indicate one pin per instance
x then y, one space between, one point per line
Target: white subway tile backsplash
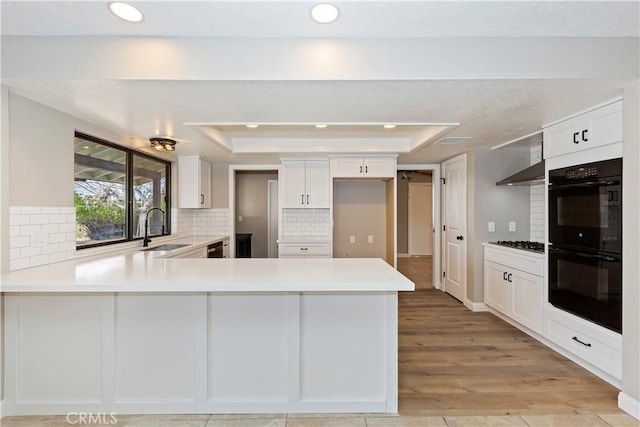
307 222
41 235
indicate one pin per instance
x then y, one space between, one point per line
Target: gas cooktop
521 244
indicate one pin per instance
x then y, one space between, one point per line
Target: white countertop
152 271
518 251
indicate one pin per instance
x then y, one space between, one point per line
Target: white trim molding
476 307
629 405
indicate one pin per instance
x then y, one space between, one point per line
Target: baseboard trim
476 306
629 405
403 256
1 408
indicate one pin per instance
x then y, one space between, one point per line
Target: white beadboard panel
156 346
65 333
43 234
248 347
337 366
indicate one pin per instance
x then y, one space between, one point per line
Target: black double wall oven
585 241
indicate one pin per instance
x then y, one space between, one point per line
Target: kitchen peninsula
142 333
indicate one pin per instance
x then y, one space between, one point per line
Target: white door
455 223
272 219
420 219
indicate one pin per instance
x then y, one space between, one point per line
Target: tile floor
338 420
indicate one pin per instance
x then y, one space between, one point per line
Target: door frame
270 237
420 184
435 169
232 198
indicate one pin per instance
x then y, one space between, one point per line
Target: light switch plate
352 239
512 226
492 227
370 239
240 218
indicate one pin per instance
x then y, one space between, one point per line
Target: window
114 188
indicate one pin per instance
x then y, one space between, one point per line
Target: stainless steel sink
167 247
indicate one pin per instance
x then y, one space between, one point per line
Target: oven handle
607 258
585 184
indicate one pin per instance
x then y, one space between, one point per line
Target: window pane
100 192
149 191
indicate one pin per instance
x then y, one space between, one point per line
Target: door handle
586 344
584 135
459 238
366 169
575 137
509 278
302 199
202 199
504 276
360 169
307 199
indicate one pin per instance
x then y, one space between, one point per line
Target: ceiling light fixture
163 144
321 126
251 126
389 126
324 13
126 12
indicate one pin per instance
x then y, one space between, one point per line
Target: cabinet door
497 292
190 177
347 167
379 167
527 299
317 184
205 184
293 184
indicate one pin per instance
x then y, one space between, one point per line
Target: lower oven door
588 285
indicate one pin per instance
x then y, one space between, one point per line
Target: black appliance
215 250
521 244
585 241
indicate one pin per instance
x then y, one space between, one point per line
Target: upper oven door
587 214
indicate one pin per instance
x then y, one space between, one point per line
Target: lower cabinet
304 250
515 293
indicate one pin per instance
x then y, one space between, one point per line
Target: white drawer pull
586 344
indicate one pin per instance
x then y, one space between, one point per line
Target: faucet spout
147 239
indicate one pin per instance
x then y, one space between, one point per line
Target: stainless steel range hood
532 175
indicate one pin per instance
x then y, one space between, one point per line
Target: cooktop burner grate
521 244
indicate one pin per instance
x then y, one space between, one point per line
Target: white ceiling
499 69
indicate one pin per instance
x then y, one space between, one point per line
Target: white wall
631 252
488 202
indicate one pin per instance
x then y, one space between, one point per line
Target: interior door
420 219
455 224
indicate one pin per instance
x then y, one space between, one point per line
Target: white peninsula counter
140 333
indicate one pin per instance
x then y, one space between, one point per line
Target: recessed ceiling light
321 126
126 12
324 13
251 126
389 126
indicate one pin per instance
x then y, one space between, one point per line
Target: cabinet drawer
309 249
520 261
601 348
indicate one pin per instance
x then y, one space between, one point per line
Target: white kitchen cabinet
200 252
596 128
514 292
304 250
305 184
194 182
363 167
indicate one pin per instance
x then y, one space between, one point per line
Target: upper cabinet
363 167
595 128
194 182
305 183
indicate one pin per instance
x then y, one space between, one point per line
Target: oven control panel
581 173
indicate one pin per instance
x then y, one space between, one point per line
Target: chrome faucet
147 240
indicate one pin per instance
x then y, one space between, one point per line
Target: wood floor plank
456 362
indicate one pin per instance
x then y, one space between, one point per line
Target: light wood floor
454 362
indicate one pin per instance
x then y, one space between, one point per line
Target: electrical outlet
492 227
352 239
240 218
512 226
370 239
39 238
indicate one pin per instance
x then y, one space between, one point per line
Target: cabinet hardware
360 169
504 276
307 199
302 199
202 199
575 137
304 249
586 344
509 276
584 135
366 169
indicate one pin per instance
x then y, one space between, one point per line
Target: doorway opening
418 224
254 211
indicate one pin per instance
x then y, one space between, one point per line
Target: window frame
129 175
